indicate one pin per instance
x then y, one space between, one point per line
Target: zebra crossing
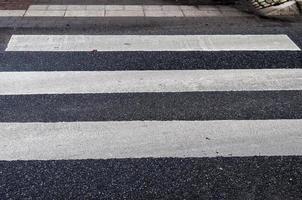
154 111
55 115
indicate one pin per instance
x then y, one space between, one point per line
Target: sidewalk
58 13
53 10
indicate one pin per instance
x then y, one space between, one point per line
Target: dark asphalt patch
239 105
150 178
111 61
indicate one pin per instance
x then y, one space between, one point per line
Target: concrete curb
51 22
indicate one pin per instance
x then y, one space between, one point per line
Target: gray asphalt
243 105
165 178
257 177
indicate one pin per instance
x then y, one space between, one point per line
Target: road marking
137 139
151 43
71 82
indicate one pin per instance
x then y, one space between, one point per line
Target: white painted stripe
14 83
151 43
136 139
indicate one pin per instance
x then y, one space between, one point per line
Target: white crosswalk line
174 116
137 139
16 83
151 43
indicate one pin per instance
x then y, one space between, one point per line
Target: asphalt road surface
203 108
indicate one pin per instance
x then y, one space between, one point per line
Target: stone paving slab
84 13
134 2
124 10
41 13
12 13
60 13
122 13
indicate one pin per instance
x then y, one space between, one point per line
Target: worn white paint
151 43
16 83
137 139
